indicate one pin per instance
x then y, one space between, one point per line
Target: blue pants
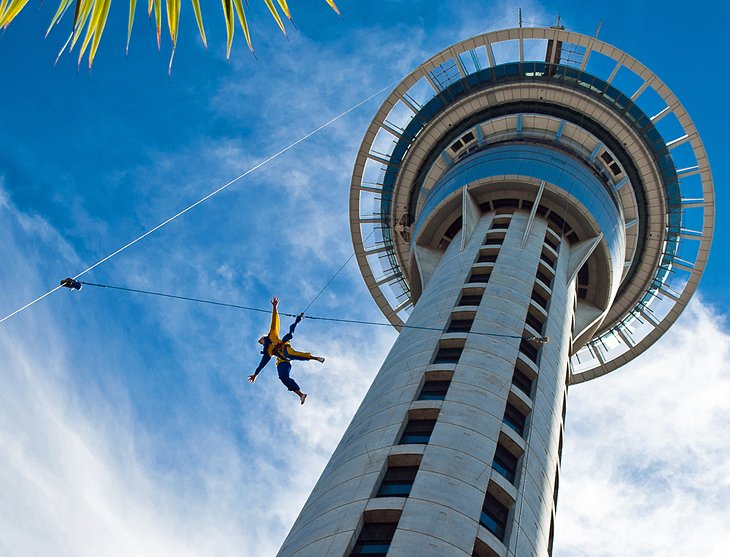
284 368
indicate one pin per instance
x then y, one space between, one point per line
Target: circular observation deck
551 90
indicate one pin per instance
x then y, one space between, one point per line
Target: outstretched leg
283 369
303 356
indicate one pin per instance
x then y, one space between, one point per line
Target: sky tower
531 208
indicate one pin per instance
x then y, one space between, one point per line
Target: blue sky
126 424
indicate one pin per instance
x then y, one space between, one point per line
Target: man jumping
285 354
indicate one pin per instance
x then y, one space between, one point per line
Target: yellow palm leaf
95 14
12 10
173 23
244 22
158 20
199 19
332 4
285 9
62 7
83 9
230 28
150 4
272 9
99 30
3 5
132 9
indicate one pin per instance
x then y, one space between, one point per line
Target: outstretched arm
264 360
274 330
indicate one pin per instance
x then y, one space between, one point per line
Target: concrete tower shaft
512 189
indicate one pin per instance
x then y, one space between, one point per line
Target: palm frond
90 17
199 19
132 9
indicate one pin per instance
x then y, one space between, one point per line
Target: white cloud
645 470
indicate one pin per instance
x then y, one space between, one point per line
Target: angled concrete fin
587 318
470 214
579 254
427 259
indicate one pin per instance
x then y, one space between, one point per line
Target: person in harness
284 353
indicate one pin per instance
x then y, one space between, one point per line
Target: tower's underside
497 204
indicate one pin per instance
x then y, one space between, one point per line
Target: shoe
302 398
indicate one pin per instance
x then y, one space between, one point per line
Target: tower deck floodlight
523 185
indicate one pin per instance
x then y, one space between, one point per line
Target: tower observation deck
523 185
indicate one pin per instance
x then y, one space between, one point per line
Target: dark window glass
456 146
470 300
448 355
548 259
552 242
494 239
616 169
494 516
374 539
505 463
487 258
460 326
514 418
550 538
534 322
397 481
417 432
560 446
555 487
541 301
434 390
544 278
522 382
606 157
467 137
529 349
480 276
500 225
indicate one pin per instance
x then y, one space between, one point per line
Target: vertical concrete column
441 515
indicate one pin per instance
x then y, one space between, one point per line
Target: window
470 299
548 259
480 275
434 390
551 536
514 418
544 278
481 549
529 350
555 487
374 539
522 381
494 516
460 325
534 322
502 224
417 432
505 463
539 300
552 241
397 481
446 355
494 238
487 258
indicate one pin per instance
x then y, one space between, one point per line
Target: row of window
398 479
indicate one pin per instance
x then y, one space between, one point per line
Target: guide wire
211 194
261 310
